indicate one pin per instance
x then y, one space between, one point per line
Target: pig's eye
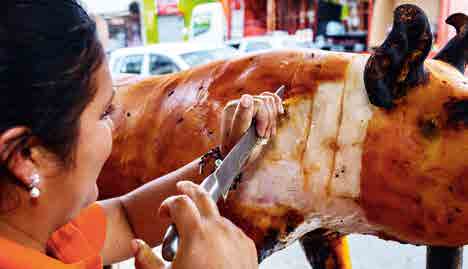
429 127
457 112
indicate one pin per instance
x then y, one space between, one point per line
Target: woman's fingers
270 120
271 103
277 105
278 102
262 117
238 116
242 119
265 110
184 214
206 206
226 123
144 256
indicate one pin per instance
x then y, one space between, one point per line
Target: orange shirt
76 245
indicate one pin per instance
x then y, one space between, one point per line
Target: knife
218 183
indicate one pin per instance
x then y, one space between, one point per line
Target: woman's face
94 143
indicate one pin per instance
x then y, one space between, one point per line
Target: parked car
166 58
261 43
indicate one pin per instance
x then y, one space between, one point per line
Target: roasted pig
371 144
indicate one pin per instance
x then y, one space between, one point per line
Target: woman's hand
207 240
238 115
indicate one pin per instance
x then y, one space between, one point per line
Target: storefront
118 24
351 25
343 23
170 21
123 24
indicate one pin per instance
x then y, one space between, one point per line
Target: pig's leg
444 257
329 252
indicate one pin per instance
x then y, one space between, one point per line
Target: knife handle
170 243
171 237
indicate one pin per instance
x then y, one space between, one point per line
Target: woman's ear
14 156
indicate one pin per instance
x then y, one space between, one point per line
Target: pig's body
338 163
309 175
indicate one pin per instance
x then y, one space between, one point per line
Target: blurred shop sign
168 7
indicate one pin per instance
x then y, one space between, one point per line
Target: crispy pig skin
414 178
338 163
171 120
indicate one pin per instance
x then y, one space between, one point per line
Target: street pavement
366 253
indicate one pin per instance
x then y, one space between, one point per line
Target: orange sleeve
82 238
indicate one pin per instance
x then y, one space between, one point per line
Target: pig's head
414 180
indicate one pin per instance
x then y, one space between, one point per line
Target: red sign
167 7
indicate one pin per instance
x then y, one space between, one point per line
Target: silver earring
34 191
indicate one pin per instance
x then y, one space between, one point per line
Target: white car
165 58
262 43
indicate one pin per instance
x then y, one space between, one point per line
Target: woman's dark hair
49 51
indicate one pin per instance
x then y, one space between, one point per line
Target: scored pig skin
293 188
338 163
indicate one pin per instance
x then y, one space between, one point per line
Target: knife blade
219 182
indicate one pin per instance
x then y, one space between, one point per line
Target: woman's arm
135 215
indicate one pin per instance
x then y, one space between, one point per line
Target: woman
56 124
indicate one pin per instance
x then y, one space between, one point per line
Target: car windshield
205 56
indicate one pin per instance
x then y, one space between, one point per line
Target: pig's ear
456 50
398 64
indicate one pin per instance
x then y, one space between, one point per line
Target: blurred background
155 37
151 37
